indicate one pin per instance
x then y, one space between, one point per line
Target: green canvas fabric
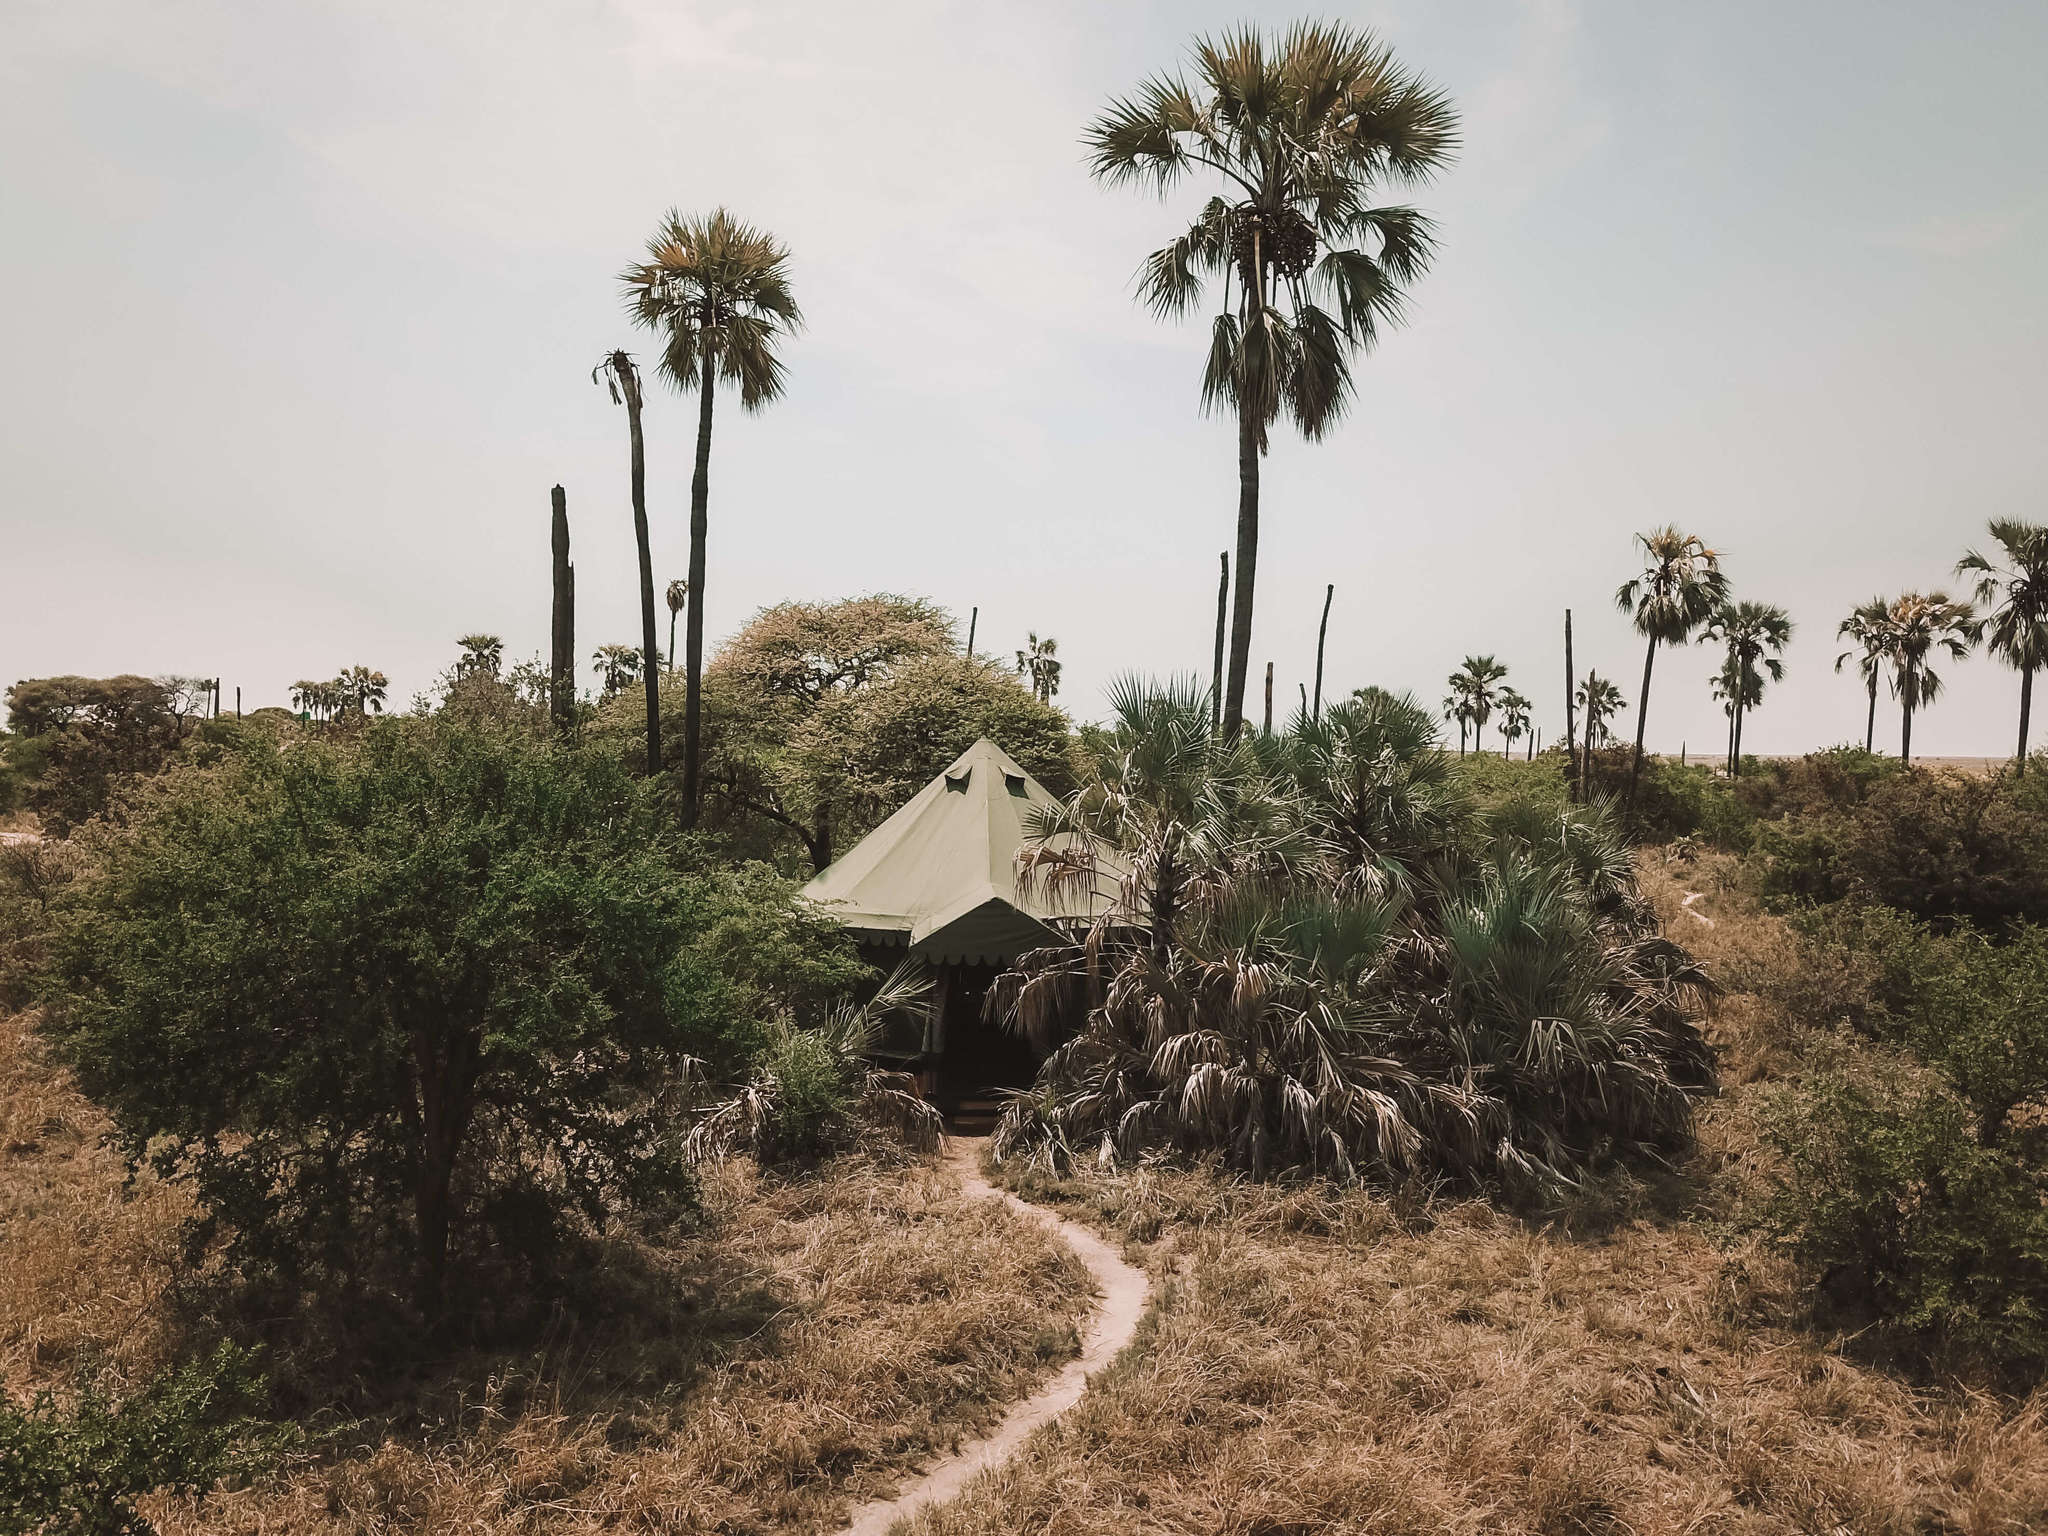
940 876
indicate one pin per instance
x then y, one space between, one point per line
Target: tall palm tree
678 598
1756 635
618 667
622 378
359 692
1514 720
1039 661
1475 682
1600 701
1300 131
482 655
1457 707
2016 602
1679 589
1868 630
718 291
1919 624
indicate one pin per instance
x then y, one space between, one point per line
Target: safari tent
938 882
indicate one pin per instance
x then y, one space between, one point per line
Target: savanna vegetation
450 1115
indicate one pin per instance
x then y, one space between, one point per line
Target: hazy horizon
307 300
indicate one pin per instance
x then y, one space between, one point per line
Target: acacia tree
1917 625
357 1030
1756 635
1867 630
1680 588
622 379
2016 601
718 291
1301 131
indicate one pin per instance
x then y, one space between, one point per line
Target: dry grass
821 1339
1327 1363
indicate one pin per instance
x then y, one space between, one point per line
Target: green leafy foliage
429 988
76 1470
1918 1186
77 738
1937 845
1323 957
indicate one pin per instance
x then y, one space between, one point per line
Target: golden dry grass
1324 1363
821 1339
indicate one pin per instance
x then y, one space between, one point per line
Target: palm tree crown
718 290
1917 625
1756 635
482 655
1680 587
1601 701
1039 661
1300 131
2015 599
1869 636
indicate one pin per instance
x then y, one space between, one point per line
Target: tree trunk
1269 698
562 650
1635 767
693 627
1247 569
1870 728
1216 674
973 622
672 639
1574 782
1906 729
1322 635
1735 759
650 651
2026 709
447 1099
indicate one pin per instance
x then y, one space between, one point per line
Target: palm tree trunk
650 654
1735 757
1870 727
1216 675
693 628
1322 635
1906 719
1635 766
1574 783
1247 568
1269 698
562 647
2026 709
671 639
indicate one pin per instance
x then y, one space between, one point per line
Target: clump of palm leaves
817 1087
1322 957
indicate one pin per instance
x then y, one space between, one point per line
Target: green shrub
367 993
1937 845
79 1471
1887 1193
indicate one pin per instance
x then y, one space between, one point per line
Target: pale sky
304 299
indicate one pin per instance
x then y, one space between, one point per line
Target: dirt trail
1125 1293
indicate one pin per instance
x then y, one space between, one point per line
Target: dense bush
426 989
1920 1190
79 1469
1323 957
1938 845
76 738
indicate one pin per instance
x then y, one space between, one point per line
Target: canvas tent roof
940 876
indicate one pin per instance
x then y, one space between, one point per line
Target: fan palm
1919 624
2016 600
1756 635
1600 701
678 597
1680 587
359 692
1868 630
718 292
619 375
1476 684
482 655
1300 131
618 667
1039 661
1514 719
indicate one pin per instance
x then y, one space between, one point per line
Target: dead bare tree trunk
1322 635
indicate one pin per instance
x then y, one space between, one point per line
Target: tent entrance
972 1061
